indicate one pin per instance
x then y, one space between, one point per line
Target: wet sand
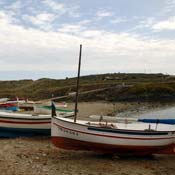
37 156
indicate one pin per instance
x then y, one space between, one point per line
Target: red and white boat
118 138
19 124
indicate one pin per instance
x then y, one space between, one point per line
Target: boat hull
20 125
73 136
71 144
6 132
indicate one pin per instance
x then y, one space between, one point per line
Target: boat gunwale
113 136
128 130
124 131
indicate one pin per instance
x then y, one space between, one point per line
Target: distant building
112 78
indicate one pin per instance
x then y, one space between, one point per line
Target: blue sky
41 38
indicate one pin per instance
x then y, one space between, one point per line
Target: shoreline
121 109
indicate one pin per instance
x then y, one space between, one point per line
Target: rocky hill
113 87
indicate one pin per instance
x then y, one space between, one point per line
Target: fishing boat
46 109
22 124
18 124
116 138
11 104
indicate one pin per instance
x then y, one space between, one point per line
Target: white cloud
40 19
55 5
75 28
4 18
147 22
117 20
103 13
70 28
13 9
15 6
143 23
169 6
165 25
61 8
32 49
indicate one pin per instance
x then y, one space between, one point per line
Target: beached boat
10 104
46 109
18 124
118 138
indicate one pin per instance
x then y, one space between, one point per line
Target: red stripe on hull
7 105
20 122
71 144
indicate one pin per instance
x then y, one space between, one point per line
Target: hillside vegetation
114 87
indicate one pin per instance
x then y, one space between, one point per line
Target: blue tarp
12 108
163 121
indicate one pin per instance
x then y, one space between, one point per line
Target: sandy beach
37 156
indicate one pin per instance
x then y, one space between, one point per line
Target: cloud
147 22
15 6
61 8
13 9
142 23
117 20
70 28
74 28
4 18
34 49
165 25
103 14
55 5
169 6
41 20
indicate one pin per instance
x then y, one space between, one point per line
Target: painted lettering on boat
67 131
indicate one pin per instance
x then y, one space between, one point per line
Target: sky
41 38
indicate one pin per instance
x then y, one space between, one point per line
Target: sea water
164 113
167 113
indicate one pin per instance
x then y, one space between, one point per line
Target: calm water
168 112
161 113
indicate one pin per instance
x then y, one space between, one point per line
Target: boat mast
77 88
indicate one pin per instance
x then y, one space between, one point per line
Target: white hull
131 137
21 124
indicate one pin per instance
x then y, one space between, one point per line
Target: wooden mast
77 88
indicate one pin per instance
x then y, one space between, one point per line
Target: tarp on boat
163 121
